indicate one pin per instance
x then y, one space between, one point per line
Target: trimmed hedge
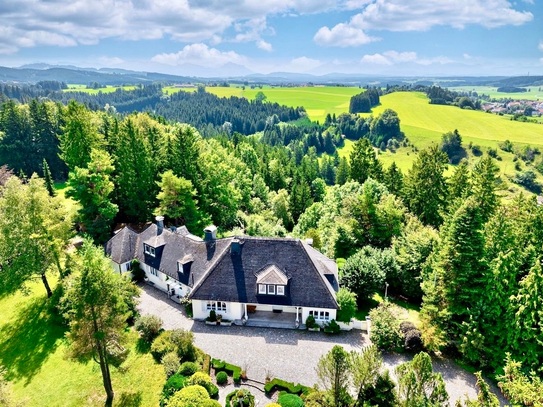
172 386
282 385
188 368
222 366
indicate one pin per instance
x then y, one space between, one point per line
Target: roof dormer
271 280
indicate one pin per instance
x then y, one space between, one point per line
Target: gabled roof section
271 274
122 247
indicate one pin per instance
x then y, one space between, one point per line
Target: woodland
443 240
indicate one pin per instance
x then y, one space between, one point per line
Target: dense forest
471 261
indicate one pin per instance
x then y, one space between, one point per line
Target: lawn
33 350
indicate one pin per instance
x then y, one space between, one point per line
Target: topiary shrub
212 316
172 386
203 379
234 370
221 378
171 364
149 327
273 405
189 396
282 385
290 400
188 368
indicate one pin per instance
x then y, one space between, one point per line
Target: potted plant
212 318
311 324
219 319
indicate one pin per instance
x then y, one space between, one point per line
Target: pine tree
343 171
393 179
485 177
48 181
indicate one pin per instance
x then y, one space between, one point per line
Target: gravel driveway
287 354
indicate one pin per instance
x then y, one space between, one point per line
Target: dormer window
150 250
271 281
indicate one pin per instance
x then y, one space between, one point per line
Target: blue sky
374 37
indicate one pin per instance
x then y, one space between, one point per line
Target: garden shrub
204 380
273 405
177 340
385 328
221 378
149 327
290 400
234 370
188 368
310 322
332 327
282 385
240 398
171 364
347 305
189 396
206 364
138 274
413 341
212 316
172 385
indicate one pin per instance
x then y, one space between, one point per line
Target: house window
216 306
320 315
153 271
149 250
179 267
271 289
280 290
128 266
262 288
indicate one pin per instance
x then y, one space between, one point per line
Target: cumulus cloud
378 59
389 58
418 15
31 23
342 35
263 45
199 54
540 45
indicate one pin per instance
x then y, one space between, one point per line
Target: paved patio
285 353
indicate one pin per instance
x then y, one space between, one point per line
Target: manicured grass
534 92
33 349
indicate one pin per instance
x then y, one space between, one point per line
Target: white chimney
159 224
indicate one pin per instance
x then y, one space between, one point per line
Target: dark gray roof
233 276
217 274
122 246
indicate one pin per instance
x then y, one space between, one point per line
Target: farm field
534 92
318 100
33 349
107 89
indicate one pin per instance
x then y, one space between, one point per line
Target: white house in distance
238 277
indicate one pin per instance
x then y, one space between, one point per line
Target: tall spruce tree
425 188
364 163
47 178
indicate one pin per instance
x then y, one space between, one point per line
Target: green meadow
533 92
317 100
107 89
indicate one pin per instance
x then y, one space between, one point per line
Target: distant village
528 108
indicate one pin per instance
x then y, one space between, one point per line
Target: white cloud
342 35
540 45
467 56
109 61
377 59
302 64
389 58
440 60
418 15
263 45
199 54
421 15
31 23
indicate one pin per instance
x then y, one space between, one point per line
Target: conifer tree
48 181
364 163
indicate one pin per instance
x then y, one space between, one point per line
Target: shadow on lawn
28 340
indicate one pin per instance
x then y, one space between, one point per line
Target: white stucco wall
331 313
163 282
234 310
